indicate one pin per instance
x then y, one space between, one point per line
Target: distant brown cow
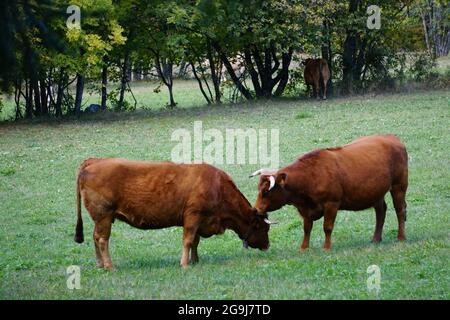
352 177
317 73
149 195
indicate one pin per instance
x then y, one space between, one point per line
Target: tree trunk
17 93
165 72
172 101
425 32
37 96
284 73
79 94
104 84
349 55
328 55
253 73
59 95
124 79
28 100
44 97
200 83
168 75
232 74
182 69
214 76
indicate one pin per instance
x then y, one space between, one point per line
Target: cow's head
272 194
257 235
306 61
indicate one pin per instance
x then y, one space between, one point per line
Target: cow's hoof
111 269
194 261
401 238
376 240
303 249
99 265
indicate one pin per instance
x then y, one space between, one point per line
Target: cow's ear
281 179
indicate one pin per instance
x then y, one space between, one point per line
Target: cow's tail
79 237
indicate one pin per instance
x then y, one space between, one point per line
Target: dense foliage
252 46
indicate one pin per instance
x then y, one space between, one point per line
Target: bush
423 67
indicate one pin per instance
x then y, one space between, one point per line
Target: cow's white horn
262 171
272 182
269 222
256 173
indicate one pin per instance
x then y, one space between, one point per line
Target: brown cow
353 177
149 195
317 73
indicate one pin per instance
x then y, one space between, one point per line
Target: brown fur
149 195
317 73
352 177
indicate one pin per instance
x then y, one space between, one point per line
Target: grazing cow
353 177
150 195
317 73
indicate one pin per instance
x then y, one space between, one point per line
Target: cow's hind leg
102 232
325 90
380 211
194 253
190 227
316 89
307 227
398 193
98 254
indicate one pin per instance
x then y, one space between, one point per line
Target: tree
160 44
258 36
90 45
366 52
435 17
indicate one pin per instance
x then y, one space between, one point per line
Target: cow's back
368 167
148 194
311 72
315 69
356 175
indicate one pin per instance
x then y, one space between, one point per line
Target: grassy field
186 94
38 162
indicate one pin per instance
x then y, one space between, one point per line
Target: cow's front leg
189 233
194 253
330 211
380 211
307 226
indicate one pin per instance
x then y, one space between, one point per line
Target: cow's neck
239 215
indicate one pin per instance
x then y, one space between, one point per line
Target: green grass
186 95
38 162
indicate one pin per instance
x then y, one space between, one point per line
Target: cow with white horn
353 177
